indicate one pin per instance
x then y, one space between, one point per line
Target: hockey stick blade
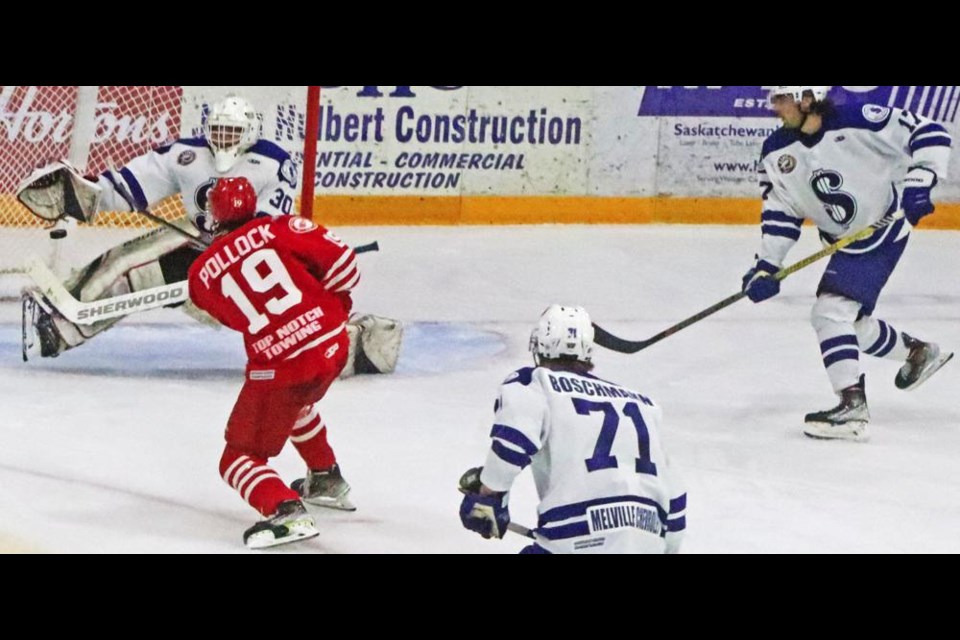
609 341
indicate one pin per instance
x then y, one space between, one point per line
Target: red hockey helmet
232 202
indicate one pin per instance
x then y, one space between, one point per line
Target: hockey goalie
229 147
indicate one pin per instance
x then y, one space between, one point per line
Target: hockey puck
58 234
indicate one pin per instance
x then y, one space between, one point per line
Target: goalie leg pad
107 274
380 340
374 345
132 266
45 330
353 337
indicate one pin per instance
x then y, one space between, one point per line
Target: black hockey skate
846 421
924 360
291 523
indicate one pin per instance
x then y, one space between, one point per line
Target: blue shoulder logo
786 163
874 113
288 173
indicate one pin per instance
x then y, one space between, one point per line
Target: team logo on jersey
839 205
200 195
186 157
875 113
301 225
786 163
288 172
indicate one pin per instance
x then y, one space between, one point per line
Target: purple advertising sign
936 102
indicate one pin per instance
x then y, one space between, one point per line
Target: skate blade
341 504
855 431
941 360
296 533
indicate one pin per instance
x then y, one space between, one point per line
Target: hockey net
96 128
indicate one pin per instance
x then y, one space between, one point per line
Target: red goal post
96 127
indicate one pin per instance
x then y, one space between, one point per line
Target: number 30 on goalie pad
58 190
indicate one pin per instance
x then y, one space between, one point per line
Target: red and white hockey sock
310 438
255 481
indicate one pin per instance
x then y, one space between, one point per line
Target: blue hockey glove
916 194
757 283
487 515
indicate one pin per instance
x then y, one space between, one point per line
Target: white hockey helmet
563 331
797 91
232 127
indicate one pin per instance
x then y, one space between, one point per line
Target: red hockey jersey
283 282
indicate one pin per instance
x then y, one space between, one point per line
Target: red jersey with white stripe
284 283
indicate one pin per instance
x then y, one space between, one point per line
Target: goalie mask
797 91
232 202
232 127
563 333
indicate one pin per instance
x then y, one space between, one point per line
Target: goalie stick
607 340
121 188
78 312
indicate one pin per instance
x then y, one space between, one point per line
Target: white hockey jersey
600 471
186 167
846 176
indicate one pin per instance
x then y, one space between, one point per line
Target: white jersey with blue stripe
595 451
846 176
187 167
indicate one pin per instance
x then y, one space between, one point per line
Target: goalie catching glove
58 190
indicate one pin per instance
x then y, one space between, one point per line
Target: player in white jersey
844 168
598 463
230 147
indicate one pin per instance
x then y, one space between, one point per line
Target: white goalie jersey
187 167
845 177
604 482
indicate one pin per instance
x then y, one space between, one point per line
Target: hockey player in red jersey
285 284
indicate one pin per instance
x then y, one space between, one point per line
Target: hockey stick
125 194
609 341
120 186
519 529
367 248
79 312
